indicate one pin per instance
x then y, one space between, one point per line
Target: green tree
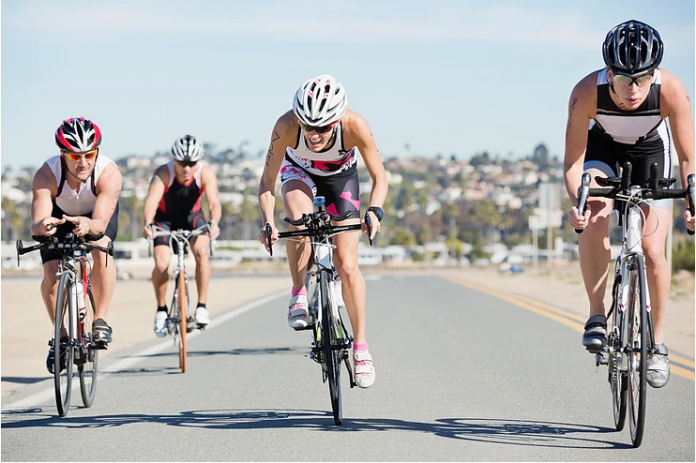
423 236
16 221
403 237
249 216
683 255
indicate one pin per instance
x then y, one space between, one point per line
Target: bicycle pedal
100 346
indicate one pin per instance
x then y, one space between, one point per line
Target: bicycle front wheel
63 348
88 370
617 378
637 352
329 344
183 315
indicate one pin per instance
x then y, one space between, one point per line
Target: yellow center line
561 316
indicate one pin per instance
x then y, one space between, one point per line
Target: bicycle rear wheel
63 348
88 370
183 315
617 378
331 355
638 357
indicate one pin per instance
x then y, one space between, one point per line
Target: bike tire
88 371
331 355
618 380
638 357
62 379
183 315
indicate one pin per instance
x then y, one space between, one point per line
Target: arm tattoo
571 108
275 138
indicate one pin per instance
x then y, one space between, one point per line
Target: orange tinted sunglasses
77 156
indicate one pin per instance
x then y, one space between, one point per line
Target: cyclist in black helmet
625 106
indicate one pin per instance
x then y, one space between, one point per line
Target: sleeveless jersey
629 127
330 161
81 202
180 200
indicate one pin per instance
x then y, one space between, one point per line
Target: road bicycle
630 338
331 340
74 316
176 324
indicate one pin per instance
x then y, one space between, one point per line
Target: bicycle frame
323 267
626 265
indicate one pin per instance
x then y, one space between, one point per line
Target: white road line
128 362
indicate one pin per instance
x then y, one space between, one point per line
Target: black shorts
608 156
194 220
64 229
341 190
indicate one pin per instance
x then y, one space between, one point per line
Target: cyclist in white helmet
174 203
625 105
314 148
77 192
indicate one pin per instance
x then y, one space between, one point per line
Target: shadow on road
203 353
24 379
499 431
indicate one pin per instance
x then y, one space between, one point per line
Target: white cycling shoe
363 369
298 315
202 317
160 327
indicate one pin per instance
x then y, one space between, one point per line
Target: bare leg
346 260
297 198
200 247
659 274
49 288
160 274
103 280
595 254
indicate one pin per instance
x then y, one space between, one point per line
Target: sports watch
378 212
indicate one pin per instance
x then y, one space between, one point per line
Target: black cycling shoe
101 332
51 360
595 336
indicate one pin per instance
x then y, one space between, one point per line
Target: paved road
461 375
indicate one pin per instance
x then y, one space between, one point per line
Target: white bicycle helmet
320 101
187 148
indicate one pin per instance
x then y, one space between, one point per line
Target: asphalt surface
461 375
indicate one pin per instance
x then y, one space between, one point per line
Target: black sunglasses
187 163
312 128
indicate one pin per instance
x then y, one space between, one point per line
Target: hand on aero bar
49 225
81 224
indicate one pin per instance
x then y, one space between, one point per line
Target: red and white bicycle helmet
320 101
78 134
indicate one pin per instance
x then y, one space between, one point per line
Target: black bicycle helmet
632 48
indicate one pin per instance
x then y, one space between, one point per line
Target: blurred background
467 102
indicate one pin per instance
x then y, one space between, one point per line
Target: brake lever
368 223
269 232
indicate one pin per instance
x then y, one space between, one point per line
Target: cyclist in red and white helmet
314 147
626 105
77 191
173 202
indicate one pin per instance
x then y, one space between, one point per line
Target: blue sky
443 76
